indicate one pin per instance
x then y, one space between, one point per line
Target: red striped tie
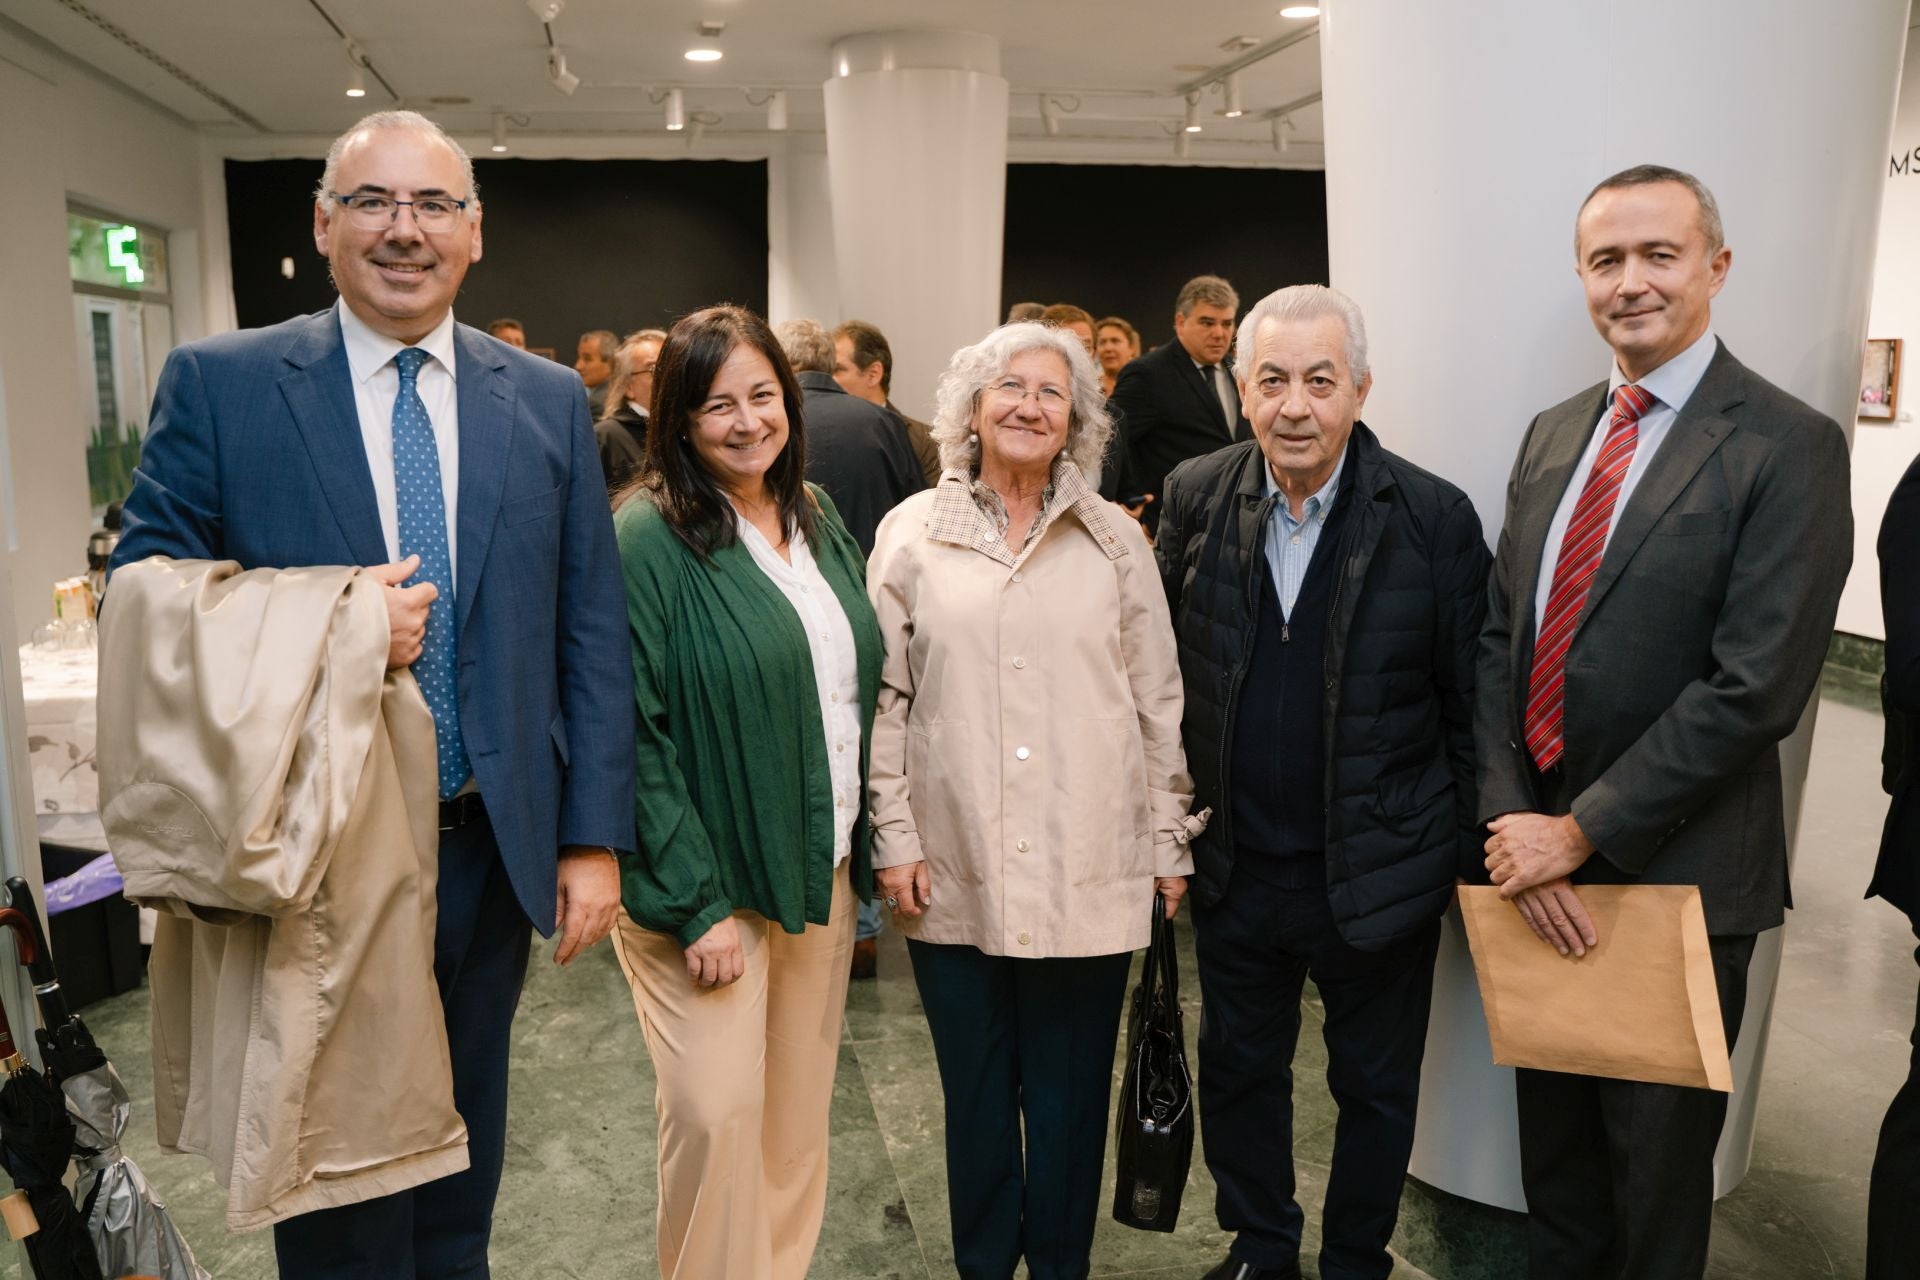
1580 552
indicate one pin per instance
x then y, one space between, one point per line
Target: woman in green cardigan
756 662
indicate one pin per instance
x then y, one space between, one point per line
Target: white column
1460 142
802 279
917 157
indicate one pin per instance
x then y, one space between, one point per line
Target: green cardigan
733 790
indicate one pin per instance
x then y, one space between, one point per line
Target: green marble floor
579 1191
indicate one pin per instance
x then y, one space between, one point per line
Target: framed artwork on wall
1880 380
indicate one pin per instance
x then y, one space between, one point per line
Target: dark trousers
439 1231
1618 1174
1257 947
1893 1248
1023 1041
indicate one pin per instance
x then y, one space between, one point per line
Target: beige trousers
745 1082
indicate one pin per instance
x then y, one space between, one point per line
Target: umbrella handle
46 979
11 918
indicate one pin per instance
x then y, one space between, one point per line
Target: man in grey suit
1675 542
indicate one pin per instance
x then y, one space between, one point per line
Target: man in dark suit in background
863 366
621 433
856 451
279 448
1674 547
593 361
1893 1250
1179 400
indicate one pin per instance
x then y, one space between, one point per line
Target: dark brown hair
869 345
673 478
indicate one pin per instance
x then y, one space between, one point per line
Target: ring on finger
893 904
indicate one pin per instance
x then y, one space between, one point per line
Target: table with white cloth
61 691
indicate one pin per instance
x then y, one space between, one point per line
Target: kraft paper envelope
1640 1006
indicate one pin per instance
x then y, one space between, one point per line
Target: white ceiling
252 71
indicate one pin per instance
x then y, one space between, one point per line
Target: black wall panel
570 245
616 244
1122 239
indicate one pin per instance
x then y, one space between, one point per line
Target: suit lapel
486 400
1694 436
1563 438
1198 384
319 395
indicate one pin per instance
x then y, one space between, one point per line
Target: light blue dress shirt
1671 386
1290 542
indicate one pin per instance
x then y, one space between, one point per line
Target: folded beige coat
270 788
1640 1006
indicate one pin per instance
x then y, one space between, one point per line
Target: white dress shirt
836 668
1671 386
1217 377
376 385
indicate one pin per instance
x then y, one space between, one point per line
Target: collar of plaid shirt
966 518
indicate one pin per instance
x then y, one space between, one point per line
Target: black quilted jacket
1406 608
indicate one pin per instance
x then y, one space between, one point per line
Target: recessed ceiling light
703 55
1301 11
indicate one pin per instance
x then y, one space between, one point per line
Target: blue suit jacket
254 454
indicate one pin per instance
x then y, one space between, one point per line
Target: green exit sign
123 253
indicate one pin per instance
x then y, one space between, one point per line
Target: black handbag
1155 1123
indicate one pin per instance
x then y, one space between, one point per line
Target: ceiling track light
501 119
1283 128
357 77
775 102
1192 123
1183 144
558 75
676 110
1049 115
1231 85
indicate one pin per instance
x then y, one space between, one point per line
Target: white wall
802 281
1882 451
67 133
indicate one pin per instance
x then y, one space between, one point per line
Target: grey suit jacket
1699 644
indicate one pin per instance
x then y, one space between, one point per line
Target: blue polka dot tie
423 532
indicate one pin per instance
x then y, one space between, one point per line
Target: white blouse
836 667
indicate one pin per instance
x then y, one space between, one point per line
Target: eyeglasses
1050 399
375 212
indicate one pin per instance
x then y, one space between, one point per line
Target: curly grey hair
379 120
973 368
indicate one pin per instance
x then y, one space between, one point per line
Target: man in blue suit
464 474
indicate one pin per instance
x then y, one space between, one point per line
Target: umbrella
129 1224
36 1141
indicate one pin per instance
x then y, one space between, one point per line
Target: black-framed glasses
373 212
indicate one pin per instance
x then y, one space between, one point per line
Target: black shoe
1234 1269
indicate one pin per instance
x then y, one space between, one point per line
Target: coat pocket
1109 826
942 791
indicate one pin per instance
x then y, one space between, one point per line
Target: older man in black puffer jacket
1327 596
